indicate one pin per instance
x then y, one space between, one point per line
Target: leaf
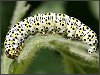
75 57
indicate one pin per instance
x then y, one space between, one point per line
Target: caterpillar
48 23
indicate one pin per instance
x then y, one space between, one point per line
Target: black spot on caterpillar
44 24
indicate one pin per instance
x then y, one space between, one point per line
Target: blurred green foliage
51 54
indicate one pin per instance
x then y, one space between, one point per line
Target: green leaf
76 58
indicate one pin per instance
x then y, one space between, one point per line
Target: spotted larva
44 24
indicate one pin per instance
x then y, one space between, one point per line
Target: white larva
48 23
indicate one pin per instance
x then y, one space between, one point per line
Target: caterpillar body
48 23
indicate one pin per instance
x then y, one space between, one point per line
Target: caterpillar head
13 54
